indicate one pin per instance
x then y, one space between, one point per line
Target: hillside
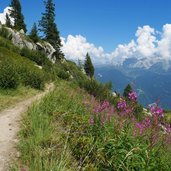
80 125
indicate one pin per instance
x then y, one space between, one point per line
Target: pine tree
88 66
34 33
127 90
8 21
17 15
49 28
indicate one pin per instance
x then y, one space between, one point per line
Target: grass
56 135
10 97
43 139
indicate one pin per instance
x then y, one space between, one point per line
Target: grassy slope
9 98
59 124
44 134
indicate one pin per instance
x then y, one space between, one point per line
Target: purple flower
157 112
146 122
121 104
132 96
140 127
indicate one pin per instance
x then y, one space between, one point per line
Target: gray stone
19 39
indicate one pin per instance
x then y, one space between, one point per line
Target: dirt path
9 126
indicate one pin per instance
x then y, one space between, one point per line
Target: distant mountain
153 84
106 74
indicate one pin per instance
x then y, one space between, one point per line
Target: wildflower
100 108
146 122
157 112
132 96
140 127
121 104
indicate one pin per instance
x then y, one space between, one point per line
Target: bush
98 90
8 75
33 77
36 56
7 44
4 32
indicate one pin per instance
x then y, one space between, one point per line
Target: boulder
19 39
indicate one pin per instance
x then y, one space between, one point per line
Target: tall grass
43 141
68 126
10 97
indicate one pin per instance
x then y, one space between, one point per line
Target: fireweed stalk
150 127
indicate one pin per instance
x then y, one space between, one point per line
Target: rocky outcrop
22 41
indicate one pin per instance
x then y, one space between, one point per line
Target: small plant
8 74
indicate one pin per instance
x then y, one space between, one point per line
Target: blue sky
105 23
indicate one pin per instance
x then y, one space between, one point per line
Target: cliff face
19 39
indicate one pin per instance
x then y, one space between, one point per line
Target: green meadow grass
43 138
10 97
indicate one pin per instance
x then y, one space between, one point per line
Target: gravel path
9 127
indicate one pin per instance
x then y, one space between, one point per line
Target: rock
38 66
22 31
114 94
71 77
30 45
19 39
50 51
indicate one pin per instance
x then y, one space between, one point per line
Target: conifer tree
8 21
48 26
17 15
88 66
127 90
34 33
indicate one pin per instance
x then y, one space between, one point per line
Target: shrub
30 76
36 56
99 90
7 44
8 74
63 74
4 32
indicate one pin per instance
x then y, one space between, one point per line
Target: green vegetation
23 71
34 33
17 15
38 57
49 28
68 129
43 140
80 125
127 90
8 75
10 97
88 66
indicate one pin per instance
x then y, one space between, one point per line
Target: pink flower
132 96
157 112
121 104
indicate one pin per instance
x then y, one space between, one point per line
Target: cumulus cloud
76 47
146 48
3 15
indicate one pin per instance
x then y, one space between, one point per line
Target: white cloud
3 15
146 41
147 48
76 47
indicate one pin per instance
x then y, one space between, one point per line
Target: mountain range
151 84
